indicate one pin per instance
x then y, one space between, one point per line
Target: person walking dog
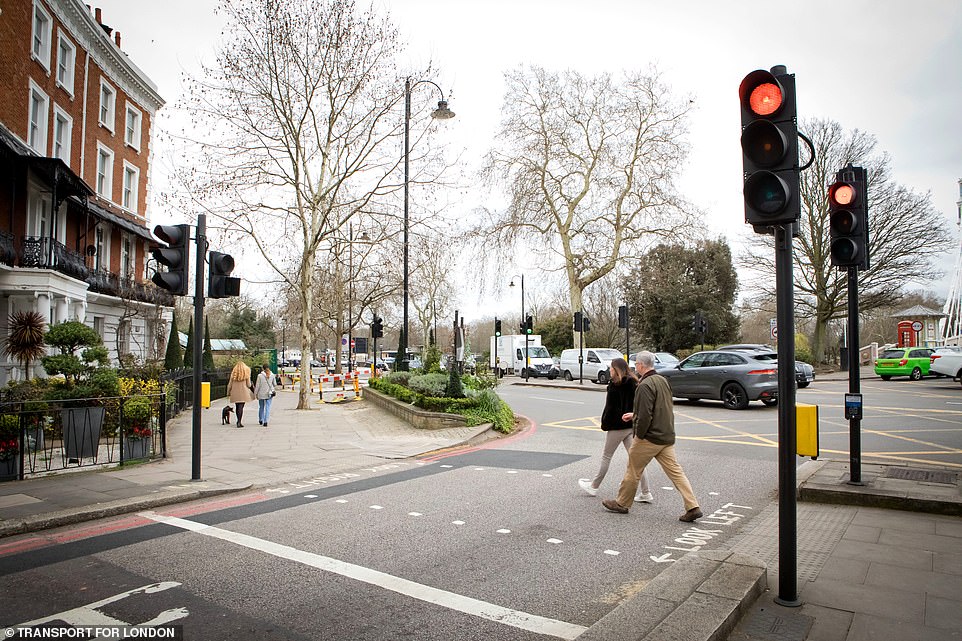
239 389
619 403
653 420
264 391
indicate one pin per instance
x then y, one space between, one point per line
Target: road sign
917 326
774 324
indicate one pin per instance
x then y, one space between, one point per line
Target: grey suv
733 377
804 373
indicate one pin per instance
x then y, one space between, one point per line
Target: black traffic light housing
622 317
528 325
377 327
577 324
848 218
175 256
769 148
497 327
220 284
585 323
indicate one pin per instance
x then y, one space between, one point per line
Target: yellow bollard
806 430
205 394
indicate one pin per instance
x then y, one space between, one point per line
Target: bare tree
589 165
300 127
905 232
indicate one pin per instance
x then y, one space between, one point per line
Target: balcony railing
51 254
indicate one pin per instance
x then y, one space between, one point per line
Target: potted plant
137 415
9 448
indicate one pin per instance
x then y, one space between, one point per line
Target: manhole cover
923 476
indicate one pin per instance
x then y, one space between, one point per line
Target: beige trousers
639 456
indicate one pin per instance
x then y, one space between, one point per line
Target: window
105 171
62 134
126 256
132 127
99 325
42 30
108 100
37 127
100 242
123 337
66 61
131 180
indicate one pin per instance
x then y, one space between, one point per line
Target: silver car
733 377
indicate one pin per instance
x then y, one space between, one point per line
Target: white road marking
447 466
512 471
548 475
341 501
667 488
504 531
414 514
555 541
428 594
713 494
310 496
612 552
90 615
457 522
376 507
556 400
479 469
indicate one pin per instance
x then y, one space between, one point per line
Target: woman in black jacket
620 400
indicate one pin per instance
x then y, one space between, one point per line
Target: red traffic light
762 94
842 195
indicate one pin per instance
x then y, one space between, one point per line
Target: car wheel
916 374
806 384
886 377
603 378
568 376
959 374
524 373
770 402
552 376
734 397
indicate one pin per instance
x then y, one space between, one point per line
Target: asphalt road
496 542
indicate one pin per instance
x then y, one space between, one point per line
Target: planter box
10 469
135 448
414 415
81 431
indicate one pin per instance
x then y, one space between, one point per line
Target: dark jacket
654 414
620 400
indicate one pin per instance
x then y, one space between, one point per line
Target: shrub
429 384
804 354
454 387
483 380
398 378
490 408
432 360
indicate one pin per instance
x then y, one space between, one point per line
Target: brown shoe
614 506
691 515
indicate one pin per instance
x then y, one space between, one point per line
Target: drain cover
923 476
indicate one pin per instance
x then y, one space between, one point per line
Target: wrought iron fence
43 437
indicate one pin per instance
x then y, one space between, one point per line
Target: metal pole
525 326
581 350
627 336
402 356
198 355
787 525
350 295
854 380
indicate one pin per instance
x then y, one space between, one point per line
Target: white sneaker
585 485
644 497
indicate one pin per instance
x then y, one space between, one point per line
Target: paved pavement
878 561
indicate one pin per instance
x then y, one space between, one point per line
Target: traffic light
585 323
220 284
696 322
703 326
528 325
623 317
578 316
848 218
175 257
497 327
769 148
377 327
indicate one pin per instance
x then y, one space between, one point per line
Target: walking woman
620 401
239 389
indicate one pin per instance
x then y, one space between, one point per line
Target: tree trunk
307 298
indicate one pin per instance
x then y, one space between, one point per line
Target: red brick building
75 143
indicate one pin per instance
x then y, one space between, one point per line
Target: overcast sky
889 67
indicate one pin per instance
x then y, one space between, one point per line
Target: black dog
225 415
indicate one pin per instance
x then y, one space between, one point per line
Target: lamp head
442 112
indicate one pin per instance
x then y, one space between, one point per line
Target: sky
887 67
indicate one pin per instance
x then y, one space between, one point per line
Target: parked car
946 362
804 373
731 376
913 362
594 366
662 360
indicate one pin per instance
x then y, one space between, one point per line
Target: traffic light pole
787 518
198 355
854 380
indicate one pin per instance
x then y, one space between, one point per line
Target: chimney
117 38
98 16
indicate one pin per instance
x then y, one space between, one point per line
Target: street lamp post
524 331
350 288
441 113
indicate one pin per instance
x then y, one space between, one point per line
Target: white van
595 365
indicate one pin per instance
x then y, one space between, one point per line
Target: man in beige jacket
654 425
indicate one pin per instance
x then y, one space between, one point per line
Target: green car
904 361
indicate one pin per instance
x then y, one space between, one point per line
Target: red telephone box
906 334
